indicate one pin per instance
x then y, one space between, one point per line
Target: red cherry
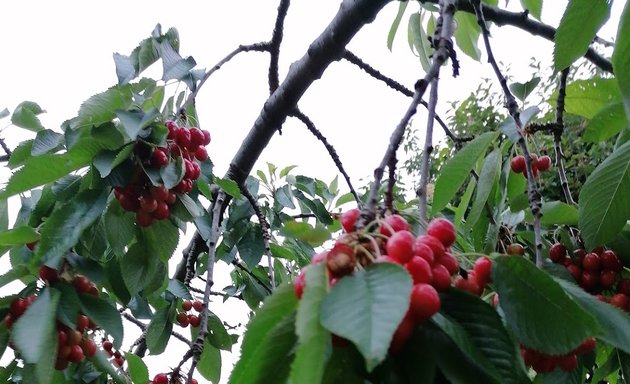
76 354
299 284
432 242
624 287
443 230
194 320
483 270
74 337
557 252
160 378
148 203
420 270
206 137
196 136
107 345
518 164
172 198
441 277
586 346
82 323
450 262
62 337
620 301
119 361
395 222
543 163
128 203
400 246
197 305
194 381
183 137
589 280
159 158
610 261
89 347
144 219
81 284
18 307
48 274
201 153
402 333
575 271
61 364
187 305
425 302
159 193
349 219
608 278
591 262
341 260
182 319
579 255
31 245
162 211
319 257
515 249
424 251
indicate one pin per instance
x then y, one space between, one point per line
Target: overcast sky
58 53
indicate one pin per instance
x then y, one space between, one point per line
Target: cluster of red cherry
597 272
476 278
542 164
427 259
117 357
184 319
543 363
152 202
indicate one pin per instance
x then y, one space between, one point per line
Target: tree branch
426 152
274 45
557 137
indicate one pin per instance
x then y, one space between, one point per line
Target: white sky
58 53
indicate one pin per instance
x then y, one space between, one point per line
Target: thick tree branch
426 152
522 21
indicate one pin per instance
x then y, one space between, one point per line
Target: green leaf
18 236
608 122
456 170
161 239
100 361
178 289
125 70
313 339
4 215
508 127
138 371
229 186
209 365
487 179
588 97
343 199
486 331
367 307
102 107
175 67
13 274
34 334
603 207
269 339
25 116
533 6
579 24
45 141
392 30
119 228
251 246
217 334
525 293
621 57
284 197
467 34
614 323
65 225
558 213
104 315
522 90
135 121
420 41
459 336
159 330
138 266
315 236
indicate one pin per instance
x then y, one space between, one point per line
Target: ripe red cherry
450 262
608 278
62 337
589 280
441 277
197 306
201 153
194 320
162 211
432 242
82 323
183 137
400 246
76 354
196 136
18 307
610 261
586 346
194 381
159 193
61 364
624 287
148 203
557 252
543 163
144 219
620 301
483 270
206 137
443 230
107 345
395 222
348 219
420 270
591 262
515 249
119 361
81 283
48 274
159 158
172 198
575 271
402 333
518 164
424 251
299 284
425 302
89 347
160 378
182 319
31 245
187 305
341 260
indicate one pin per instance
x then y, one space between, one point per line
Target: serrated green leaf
608 122
18 236
135 121
285 171
284 197
229 186
467 34
125 71
343 199
138 371
4 215
522 90
604 207
45 141
15 273
159 330
251 246
174 66
525 293
104 315
161 239
100 360
137 267
270 335
579 24
508 127
25 116
456 170
487 179
179 289
190 205
621 57
419 39
395 24
217 334
533 6
119 227
209 365
66 224
102 107
314 236
367 307
588 97
558 213
313 339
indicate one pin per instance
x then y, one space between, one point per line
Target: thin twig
391 182
274 45
143 327
557 137
512 107
240 266
6 149
264 228
331 150
426 152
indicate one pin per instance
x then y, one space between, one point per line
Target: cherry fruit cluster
427 258
162 378
153 202
117 357
542 164
544 363
597 272
477 278
185 319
